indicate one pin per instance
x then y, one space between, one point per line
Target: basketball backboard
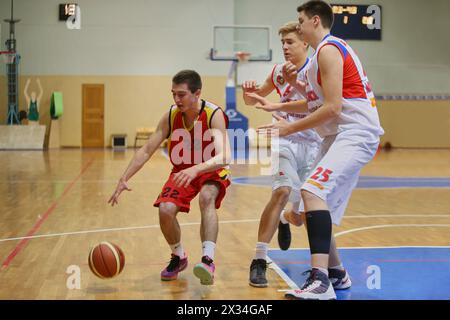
228 40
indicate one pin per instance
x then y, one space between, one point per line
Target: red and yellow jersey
190 146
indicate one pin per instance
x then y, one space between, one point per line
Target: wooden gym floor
54 209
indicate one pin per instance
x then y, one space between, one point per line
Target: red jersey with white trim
358 100
190 146
287 93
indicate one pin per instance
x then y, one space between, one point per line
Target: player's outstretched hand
184 177
264 104
122 185
279 128
249 86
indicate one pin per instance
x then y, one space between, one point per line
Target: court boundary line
21 245
51 235
282 274
151 226
391 226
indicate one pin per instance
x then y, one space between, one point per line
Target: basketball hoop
8 57
242 56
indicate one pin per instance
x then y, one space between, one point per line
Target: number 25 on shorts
321 174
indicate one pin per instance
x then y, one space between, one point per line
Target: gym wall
135 47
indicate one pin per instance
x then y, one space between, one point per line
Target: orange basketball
106 260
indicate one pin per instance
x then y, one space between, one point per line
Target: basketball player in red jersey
200 152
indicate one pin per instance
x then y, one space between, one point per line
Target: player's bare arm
331 71
298 106
222 153
251 87
41 91
141 157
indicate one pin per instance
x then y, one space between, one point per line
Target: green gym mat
56 105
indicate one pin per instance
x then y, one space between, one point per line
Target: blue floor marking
365 182
407 273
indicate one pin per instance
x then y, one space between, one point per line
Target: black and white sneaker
339 279
316 287
258 273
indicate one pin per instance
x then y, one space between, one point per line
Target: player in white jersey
296 154
343 111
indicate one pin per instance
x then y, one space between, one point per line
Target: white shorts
295 162
336 171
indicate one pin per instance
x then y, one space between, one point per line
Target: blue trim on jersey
303 66
321 41
328 35
340 46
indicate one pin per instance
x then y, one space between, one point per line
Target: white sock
282 218
177 249
208 248
261 250
338 267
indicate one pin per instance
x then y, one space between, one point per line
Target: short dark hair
190 77
318 8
